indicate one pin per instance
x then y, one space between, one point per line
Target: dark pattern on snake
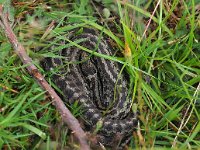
96 83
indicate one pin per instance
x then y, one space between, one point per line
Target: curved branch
66 115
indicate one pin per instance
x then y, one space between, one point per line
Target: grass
163 65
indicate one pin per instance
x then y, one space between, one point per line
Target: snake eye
106 104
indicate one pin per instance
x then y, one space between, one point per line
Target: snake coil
96 83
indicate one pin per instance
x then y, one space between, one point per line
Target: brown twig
66 115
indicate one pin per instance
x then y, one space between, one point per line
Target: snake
99 85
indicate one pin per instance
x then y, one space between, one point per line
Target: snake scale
96 83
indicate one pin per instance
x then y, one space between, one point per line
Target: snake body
96 83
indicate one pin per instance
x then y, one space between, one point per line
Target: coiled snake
96 83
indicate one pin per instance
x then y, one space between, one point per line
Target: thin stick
66 115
